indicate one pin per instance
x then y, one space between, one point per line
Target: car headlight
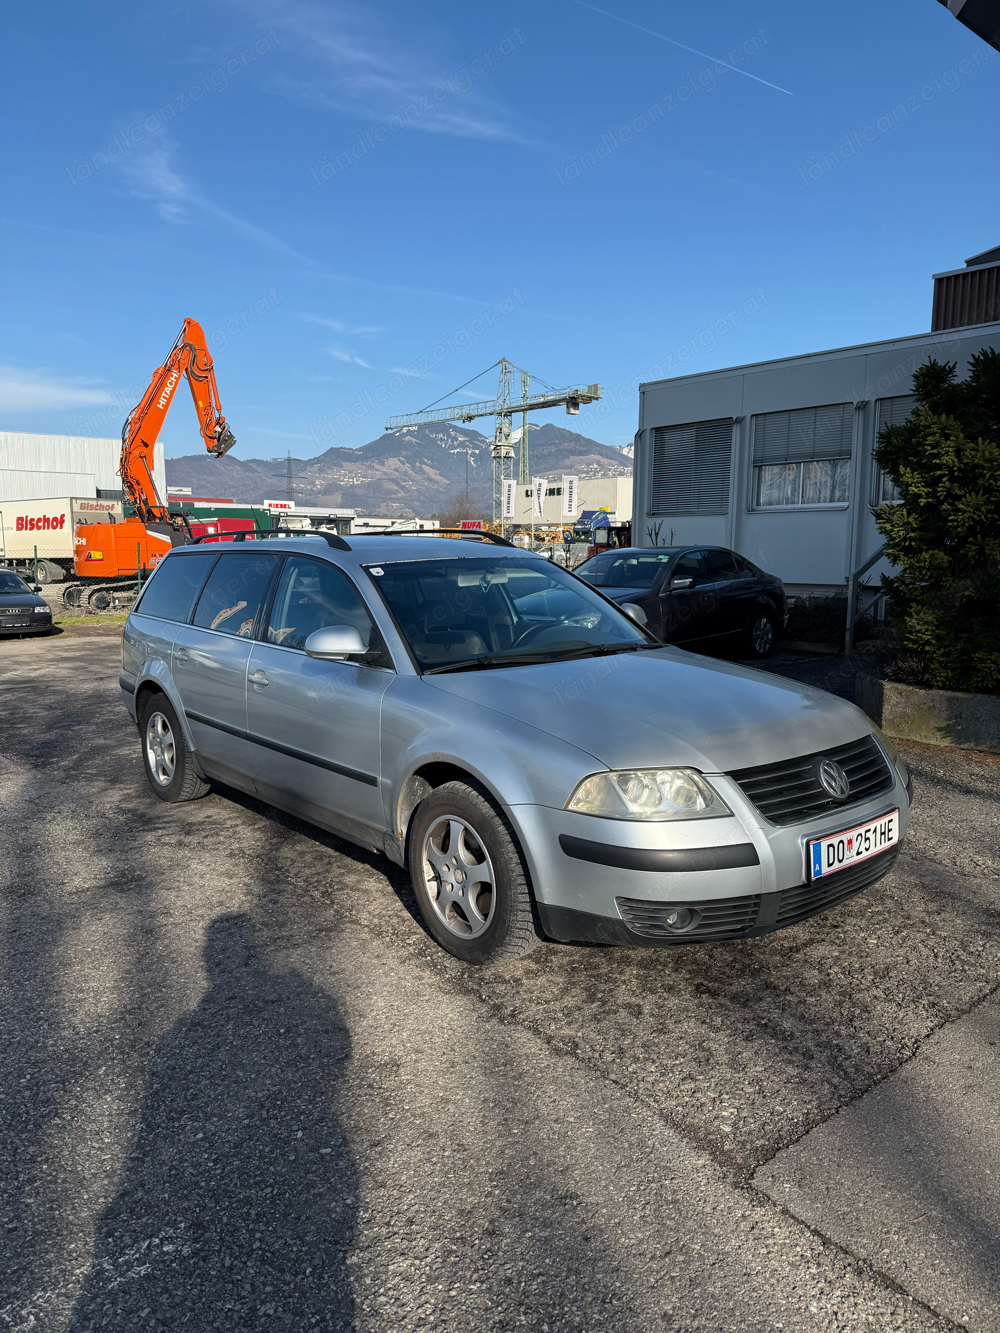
42 610
648 793
891 753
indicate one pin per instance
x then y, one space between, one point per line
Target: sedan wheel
161 749
170 767
459 877
469 876
761 636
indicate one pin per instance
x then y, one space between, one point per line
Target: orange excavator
121 551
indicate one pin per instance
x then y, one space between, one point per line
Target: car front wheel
761 635
469 877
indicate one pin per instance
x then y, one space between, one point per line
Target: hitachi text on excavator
106 555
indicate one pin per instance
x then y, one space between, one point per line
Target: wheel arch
435 773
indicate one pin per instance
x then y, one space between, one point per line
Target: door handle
180 655
258 680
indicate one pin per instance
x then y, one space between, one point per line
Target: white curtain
821 482
825 481
778 484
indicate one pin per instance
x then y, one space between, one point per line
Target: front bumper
26 625
614 882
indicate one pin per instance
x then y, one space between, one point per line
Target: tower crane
503 408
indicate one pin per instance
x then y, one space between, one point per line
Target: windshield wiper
531 659
480 663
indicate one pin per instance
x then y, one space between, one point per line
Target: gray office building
774 460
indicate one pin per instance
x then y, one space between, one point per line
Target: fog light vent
710 919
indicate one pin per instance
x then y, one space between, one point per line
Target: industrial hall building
775 460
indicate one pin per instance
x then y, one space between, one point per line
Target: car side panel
515 762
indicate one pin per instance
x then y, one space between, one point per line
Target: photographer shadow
239 1198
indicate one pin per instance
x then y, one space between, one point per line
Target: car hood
665 707
19 601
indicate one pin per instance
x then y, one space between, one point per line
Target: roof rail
259 534
465 534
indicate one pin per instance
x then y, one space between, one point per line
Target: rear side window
171 590
234 592
720 565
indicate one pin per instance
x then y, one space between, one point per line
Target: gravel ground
243 1090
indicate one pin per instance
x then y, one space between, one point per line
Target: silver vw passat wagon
542 765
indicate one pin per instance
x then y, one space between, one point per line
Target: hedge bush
945 535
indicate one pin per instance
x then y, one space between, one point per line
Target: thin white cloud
35 391
372 74
151 176
350 358
338 326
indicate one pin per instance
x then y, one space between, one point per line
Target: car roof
374 549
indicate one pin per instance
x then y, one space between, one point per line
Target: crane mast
502 408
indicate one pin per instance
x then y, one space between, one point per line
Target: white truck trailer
46 528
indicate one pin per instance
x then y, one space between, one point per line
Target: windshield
11 582
496 611
624 569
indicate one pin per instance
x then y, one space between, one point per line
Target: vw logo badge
833 779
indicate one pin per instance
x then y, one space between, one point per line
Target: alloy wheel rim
161 751
763 635
459 878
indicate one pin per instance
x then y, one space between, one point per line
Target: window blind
894 411
803 434
691 465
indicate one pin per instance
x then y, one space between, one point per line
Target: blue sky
366 204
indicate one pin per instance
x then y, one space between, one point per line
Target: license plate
855 844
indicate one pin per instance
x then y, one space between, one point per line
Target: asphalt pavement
243 1090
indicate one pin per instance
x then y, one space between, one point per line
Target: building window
890 412
802 457
691 465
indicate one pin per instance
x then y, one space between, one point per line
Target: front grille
808 899
718 918
789 792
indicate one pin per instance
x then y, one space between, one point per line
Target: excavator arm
189 356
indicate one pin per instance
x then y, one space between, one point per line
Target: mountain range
414 471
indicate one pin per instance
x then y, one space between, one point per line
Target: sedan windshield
624 569
471 612
11 582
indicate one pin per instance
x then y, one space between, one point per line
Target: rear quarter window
171 591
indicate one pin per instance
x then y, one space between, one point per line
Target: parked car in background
694 594
21 610
541 764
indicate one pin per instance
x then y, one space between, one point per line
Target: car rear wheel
469 877
167 761
761 635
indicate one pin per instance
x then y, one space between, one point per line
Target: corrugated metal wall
30 465
970 296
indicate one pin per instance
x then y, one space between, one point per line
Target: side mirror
675 584
334 643
634 612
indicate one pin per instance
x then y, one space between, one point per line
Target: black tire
166 760
761 634
475 923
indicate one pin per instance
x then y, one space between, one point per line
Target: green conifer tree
945 535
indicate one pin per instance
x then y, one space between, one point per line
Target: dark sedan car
694 594
21 610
